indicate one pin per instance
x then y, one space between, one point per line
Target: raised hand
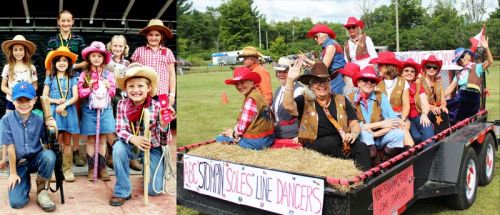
294 71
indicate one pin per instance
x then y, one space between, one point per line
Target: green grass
201 116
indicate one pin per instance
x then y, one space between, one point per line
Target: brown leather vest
473 80
396 97
434 98
262 125
376 109
361 50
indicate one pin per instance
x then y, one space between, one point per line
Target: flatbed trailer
451 165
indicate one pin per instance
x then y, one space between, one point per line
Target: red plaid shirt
248 113
124 131
159 60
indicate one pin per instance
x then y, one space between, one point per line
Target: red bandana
134 112
364 98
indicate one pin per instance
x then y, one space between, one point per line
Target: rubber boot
78 159
42 198
67 167
103 172
90 162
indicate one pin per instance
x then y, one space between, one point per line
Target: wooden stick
47 112
146 157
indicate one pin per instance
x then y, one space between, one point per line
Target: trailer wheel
467 183
486 159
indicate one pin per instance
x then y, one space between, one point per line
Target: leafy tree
238 24
278 48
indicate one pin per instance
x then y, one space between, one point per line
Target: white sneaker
45 202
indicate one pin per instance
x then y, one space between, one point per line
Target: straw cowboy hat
352 21
61 51
99 47
367 72
388 58
19 39
321 28
411 63
318 70
156 24
459 52
434 60
283 64
243 73
135 70
249 51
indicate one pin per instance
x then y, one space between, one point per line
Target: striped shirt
159 60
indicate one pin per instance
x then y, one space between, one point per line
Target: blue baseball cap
23 89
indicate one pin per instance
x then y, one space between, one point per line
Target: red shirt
413 108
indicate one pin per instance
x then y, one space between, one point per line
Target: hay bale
303 161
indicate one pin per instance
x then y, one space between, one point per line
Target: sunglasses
366 80
351 27
432 67
409 70
315 37
322 81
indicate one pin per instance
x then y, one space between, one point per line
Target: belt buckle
22 161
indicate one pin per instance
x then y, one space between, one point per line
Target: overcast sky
318 10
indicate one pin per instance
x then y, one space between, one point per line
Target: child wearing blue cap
466 102
22 131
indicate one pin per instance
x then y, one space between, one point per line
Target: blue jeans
43 163
393 139
418 132
122 153
249 143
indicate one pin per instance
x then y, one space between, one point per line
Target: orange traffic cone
224 98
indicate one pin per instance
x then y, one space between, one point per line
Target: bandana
364 98
133 111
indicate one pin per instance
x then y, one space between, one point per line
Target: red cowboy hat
411 63
350 69
352 21
387 58
367 72
434 60
321 28
242 73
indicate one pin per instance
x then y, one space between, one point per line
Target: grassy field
202 115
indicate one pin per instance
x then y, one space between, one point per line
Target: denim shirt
367 110
338 59
25 136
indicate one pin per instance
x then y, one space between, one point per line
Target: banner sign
264 189
445 55
394 193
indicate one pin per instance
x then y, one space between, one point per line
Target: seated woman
286 126
466 102
381 128
255 126
420 125
328 122
433 86
395 87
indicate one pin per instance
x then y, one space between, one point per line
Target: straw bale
303 161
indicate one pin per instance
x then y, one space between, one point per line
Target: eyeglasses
351 27
322 81
366 80
409 70
432 67
316 37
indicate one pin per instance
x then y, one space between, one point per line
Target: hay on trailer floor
303 161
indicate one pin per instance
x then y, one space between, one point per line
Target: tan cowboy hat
138 70
249 51
19 39
156 24
61 51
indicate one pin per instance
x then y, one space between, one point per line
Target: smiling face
281 75
431 69
65 22
117 47
320 87
320 38
465 59
353 31
18 52
138 89
24 106
409 73
96 58
244 87
62 64
154 38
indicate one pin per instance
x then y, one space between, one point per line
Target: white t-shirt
389 87
352 52
279 98
20 75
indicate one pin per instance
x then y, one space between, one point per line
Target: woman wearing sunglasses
359 47
420 125
381 128
466 102
327 121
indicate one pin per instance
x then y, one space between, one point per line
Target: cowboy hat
61 51
459 52
19 39
350 69
369 73
243 73
352 21
156 24
97 46
283 64
249 51
135 70
318 70
321 28
434 60
411 63
388 58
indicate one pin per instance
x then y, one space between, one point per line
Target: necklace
64 113
134 131
62 42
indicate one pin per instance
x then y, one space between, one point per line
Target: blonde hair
11 60
392 71
122 38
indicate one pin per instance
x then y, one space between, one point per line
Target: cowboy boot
103 172
67 168
90 162
78 159
109 157
42 198
135 165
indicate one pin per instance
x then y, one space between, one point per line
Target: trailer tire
486 158
467 183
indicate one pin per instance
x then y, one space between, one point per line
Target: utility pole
293 34
267 42
260 41
397 27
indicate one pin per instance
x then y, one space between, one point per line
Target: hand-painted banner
268 190
394 193
445 55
